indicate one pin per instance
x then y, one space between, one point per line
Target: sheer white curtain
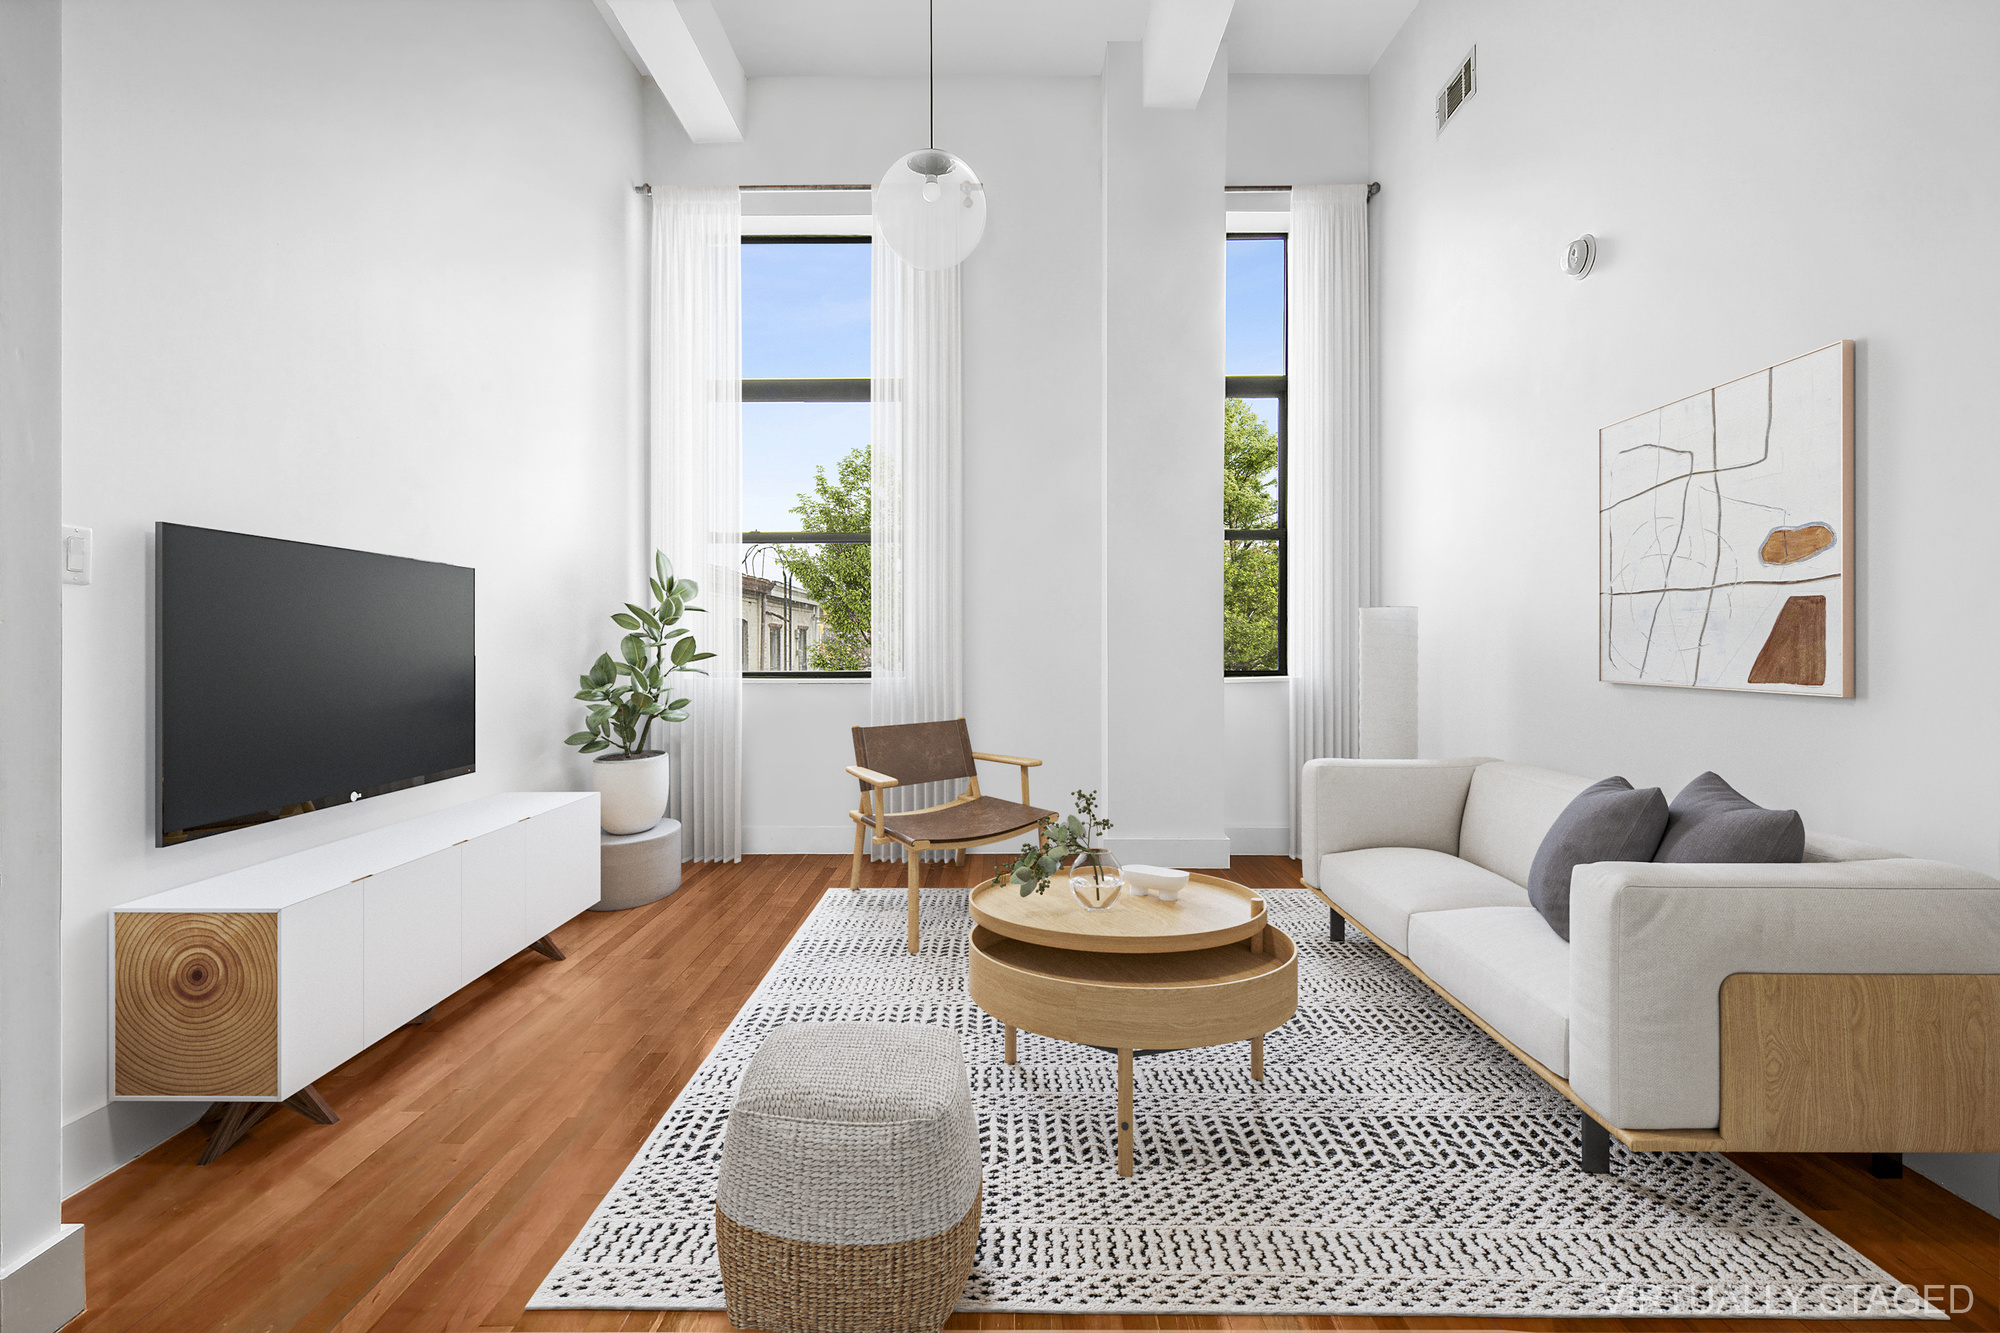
916 650
1330 462
697 476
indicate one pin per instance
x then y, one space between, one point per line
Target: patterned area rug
1395 1161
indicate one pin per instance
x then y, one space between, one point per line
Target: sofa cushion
1508 810
1825 847
1711 823
1608 821
1382 887
1507 966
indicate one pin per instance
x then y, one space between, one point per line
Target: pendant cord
933 33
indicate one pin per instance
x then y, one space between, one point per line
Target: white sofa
1430 857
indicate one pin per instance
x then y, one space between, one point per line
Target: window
805 455
1253 459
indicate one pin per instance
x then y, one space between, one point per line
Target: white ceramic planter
632 792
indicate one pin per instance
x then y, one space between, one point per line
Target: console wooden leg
916 882
1257 1058
546 947
1886 1165
1010 1043
308 1103
1124 1110
232 1120
237 1118
1596 1155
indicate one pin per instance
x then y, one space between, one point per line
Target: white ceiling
887 37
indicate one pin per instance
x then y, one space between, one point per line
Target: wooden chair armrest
1008 759
871 777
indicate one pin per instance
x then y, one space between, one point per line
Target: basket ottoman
849 1196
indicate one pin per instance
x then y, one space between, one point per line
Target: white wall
41 1262
359 274
1283 130
1033 415
1764 180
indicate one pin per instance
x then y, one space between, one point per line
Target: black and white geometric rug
1395 1161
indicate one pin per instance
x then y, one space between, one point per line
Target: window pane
1250 606
805 608
1255 287
1249 463
805 311
787 449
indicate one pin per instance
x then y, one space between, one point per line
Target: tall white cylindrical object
1388 682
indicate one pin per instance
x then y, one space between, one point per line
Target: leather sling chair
919 752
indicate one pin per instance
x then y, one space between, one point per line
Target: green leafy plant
625 697
1031 869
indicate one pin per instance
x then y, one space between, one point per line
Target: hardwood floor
471 1149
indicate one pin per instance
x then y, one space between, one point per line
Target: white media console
243 989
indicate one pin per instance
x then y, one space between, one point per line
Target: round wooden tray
1210 912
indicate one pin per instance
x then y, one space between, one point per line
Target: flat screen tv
292 676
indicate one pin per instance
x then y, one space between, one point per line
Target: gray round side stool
639 868
849 1195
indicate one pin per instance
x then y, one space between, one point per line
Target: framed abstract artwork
1726 535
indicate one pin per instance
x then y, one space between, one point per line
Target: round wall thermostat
1581 255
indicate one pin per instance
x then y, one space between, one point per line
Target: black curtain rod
1374 188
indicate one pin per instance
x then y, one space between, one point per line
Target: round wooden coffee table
1141 975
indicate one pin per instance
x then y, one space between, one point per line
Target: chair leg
860 832
916 881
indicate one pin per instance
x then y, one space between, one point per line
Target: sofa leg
1596 1156
1336 926
1886 1166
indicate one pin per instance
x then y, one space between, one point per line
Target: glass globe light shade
930 209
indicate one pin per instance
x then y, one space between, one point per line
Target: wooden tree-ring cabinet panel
197 1004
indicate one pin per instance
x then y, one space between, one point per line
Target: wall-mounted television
290 677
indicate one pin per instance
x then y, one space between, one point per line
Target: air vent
1457 91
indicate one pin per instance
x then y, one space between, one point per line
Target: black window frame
847 390
1270 386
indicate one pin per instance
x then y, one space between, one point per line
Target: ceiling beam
1182 37
681 46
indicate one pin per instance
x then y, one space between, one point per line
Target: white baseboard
44 1291
798 839
1183 853
1972 1176
1262 840
98 1143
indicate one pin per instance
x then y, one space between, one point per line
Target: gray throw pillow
1710 823
1608 821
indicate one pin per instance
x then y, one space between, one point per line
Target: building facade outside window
805 586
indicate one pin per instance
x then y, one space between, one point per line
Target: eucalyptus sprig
626 697
1030 870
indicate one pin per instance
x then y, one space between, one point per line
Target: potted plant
1094 876
626 697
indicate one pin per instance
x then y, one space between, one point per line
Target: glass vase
1095 879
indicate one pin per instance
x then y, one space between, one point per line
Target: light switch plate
76 555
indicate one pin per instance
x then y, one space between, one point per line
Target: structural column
41 1260
1164 229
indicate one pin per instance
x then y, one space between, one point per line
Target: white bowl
1161 882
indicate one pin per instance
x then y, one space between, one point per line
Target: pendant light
930 209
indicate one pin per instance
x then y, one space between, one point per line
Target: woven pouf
849 1198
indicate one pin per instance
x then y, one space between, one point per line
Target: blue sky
805 316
